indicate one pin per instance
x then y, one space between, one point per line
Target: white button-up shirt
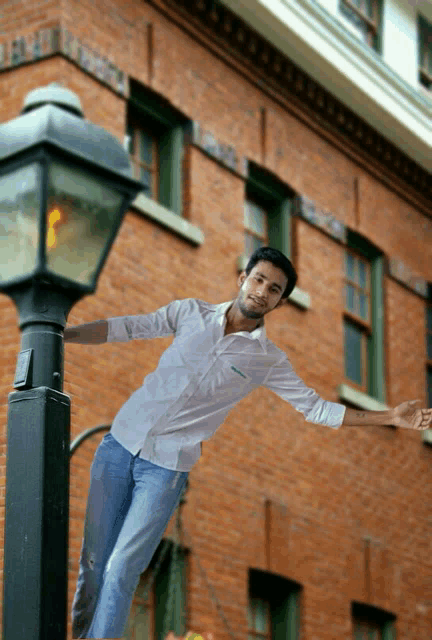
200 377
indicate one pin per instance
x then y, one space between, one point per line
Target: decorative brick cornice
57 40
278 71
223 153
324 220
400 272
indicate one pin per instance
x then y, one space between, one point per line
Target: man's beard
248 313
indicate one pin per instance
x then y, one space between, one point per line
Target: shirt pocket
224 381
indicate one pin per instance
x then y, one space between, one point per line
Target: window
144 157
425 52
161 608
429 347
155 135
371 623
367 630
363 18
141 624
273 607
363 318
255 224
358 327
259 619
267 213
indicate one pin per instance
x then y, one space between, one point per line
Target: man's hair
279 260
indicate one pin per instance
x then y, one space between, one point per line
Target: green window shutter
170 173
170 614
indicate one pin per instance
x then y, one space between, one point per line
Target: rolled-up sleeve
157 324
283 381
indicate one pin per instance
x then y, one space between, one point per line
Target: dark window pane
363 308
353 353
146 148
250 614
252 243
349 297
362 274
261 616
359 23
349 265
429 346
255 218
130 133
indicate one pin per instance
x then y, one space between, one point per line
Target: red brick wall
328 490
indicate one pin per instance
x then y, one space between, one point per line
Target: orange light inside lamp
55 218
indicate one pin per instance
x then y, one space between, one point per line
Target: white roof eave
313 39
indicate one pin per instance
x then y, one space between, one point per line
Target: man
219 354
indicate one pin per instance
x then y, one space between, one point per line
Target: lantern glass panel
81 212
20 195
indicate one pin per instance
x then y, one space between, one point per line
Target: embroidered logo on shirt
238 371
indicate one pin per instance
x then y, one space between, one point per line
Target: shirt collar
257 334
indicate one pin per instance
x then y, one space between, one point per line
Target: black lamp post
65 185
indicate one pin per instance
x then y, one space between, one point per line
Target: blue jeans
130 503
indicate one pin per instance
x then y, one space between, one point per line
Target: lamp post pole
37 489
65 185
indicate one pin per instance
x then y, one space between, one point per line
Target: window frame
170 126
358 321
375 385
247 231
259 635
277 200
283 595
378 618
373 25
137 163
159 592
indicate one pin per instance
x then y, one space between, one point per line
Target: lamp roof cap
55 94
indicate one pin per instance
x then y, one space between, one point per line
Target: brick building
288 529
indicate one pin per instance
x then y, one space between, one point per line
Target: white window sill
360 399
167 218
298 297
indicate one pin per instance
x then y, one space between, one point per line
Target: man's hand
408 415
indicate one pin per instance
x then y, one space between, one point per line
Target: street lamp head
65 185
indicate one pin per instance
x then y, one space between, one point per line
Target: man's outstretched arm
407 415
92 333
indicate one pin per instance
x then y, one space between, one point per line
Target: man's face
261 290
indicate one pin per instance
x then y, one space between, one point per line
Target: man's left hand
409 415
